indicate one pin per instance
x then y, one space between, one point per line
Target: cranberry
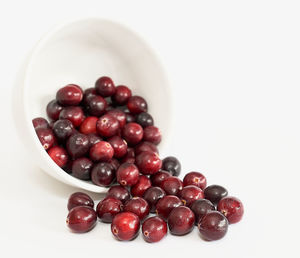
232 208
119 146
127 174
152 196
215 193
70 95
138 206
103 174
108 208
154 229
172 185
132 133
137 104
152 134
181 220
107 126
213 226
96 105
166 204
129 157
191 193
200 208
148 162
172 165
53 109
46 137
121 96
101 151
141 186
94 138
78 145
195 178
40 122
74 114
130 118
145 146
63 129
88 93
159 177
119 192
105 86
81 219
80 199
119 115
59 155
88 126
81 168
144 119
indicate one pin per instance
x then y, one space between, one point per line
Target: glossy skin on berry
213 226
159 177
103 174
46 137
53 109
107 126
172 165
81 219
101 151
141 186
200 208
138 206
195 178
125 226
172 185
63 129
78 145
88 93
148 162
119 145
70 95
232 208
88 125
154 229
152 134
119 115
81 168
114 163
215 193
145 146
129 157
122 95
59 155
105 86
132 133
127 174
166 204
130 118
119 192
74 114
181 221
40 122
94 138
108 208
152 196
190 193
96 105
137 104
144 119
80 199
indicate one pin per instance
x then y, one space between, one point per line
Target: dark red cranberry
88 126
159 177
122 95
74 114
130 118
125 226
81 168
172 185
119 146
101 151
145 146
144 119
68 167
53 109
172 165
127 174
94 138
138 206
181 220
215 193
141 186
166 204
40 122
81 219
195 178
103 174
70 95
148 162
59 155
232 208
200 208
119 115
96 105
137 104
132 133
154 229
108 208
114 163
46 137
78 145
119 192
63 129
107 126
129 157
88 93
152 196
80 199
191 193
105 86
213 226
152 134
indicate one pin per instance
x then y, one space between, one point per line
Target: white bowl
79 52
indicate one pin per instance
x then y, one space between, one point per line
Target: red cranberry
40 122
122 95
159 177
81 168
200 208
215 193
232 208
88 93
74 114
101 151
46 137
154 229
132 133
103 174
138 206
119 192
81 219
105 86
181 220
78 145
63 129
80 199
148 162
107 126
119 146
144 119
127 174
195 178
88 126
129 157
70 95
137 104
152 196
152 134
53 109
141 186
94 138
119 115
96 105
130 118
191 193
59 155
108 208
172 165
114 163
166 204
145 146
213 226
172 185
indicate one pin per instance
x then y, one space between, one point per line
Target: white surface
234 69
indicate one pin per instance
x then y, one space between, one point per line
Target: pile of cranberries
104 134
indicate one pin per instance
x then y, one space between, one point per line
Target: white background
234 68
